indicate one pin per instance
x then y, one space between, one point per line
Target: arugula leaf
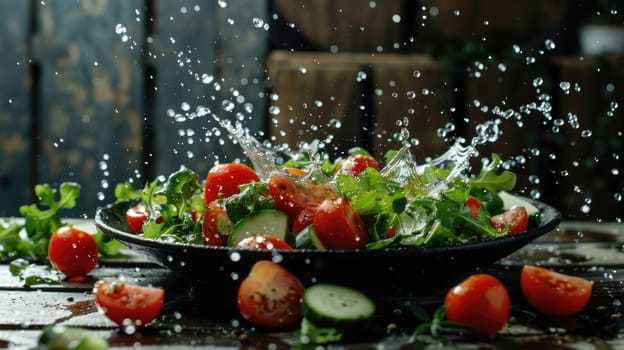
311 333
253 196
437 325
371 194
491 179
107 246
40 221
179 188
33 274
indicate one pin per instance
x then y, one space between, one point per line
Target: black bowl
391 272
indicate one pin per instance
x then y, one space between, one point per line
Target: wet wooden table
194 318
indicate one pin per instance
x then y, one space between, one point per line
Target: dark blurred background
102 91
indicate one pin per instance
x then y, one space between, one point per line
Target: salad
312 202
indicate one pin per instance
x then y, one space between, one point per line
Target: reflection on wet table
196 316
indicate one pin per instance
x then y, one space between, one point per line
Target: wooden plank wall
441 61
15 108
90 88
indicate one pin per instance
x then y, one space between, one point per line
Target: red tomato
516 219
292 196
215 217
480 303
136 216
128 304
339 226
473 204
223 180
72 251
270 296
356 164
554 293
303 219
262 242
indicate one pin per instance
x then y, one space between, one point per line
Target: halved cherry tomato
136 216
270 296
72 251
339 226
215 221
223 180
480 303
356 164
293 195
473 204
262 242
303 219
554 293
516 219
128 304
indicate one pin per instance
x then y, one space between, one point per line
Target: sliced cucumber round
510 201
336 306
262 222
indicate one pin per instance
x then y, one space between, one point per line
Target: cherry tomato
303 219
516 219
292 196
480 303
72 251
473 204
554 293
339 226
223 180
262 242
270 296
215 218
136 216
356 164
128 304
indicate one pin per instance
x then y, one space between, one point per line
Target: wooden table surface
192 318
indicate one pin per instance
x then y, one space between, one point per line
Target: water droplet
538 82
586 133
361 75
235 256
335 123
396 18
274 110
257 22
227 105
613 105
411 95
550 45
565 86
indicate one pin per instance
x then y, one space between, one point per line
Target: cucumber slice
263 222
510 201
307 239
336 306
